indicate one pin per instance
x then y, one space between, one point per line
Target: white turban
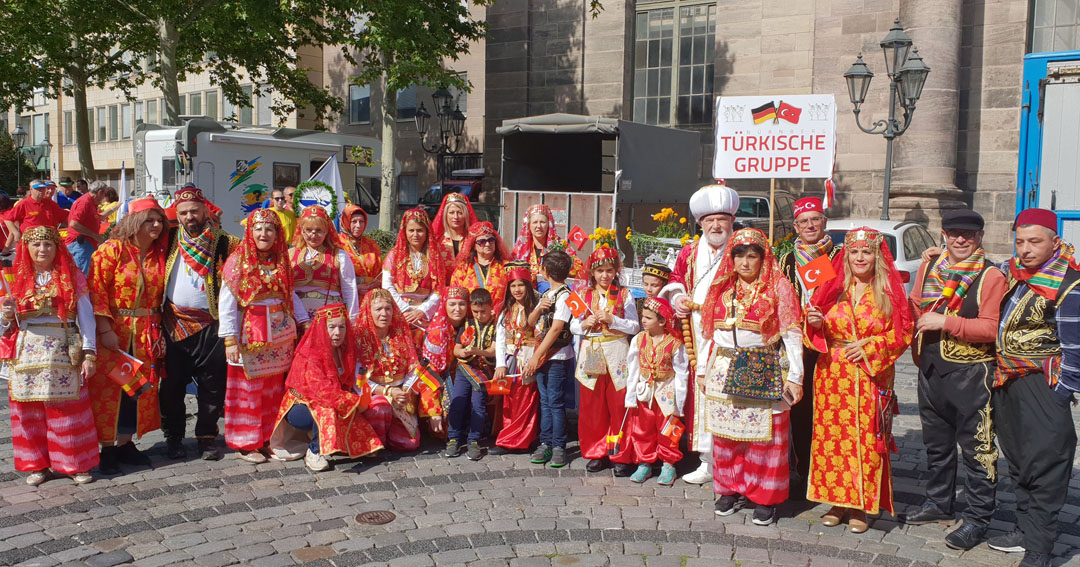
712 199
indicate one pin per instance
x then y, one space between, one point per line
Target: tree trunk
82 123
168 39
388 200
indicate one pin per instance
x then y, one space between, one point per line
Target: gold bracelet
230 341
92 357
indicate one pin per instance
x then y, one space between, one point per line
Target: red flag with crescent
817 272
577 236
577 305
125 372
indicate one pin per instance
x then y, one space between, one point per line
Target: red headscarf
662 308
316 213
398 259
827 295
347 216
476 232
402 348
439 233
69 280
314 373
524 243
245 266
776 305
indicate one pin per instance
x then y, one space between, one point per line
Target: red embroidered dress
415 279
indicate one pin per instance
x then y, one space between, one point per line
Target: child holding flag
655 392
515 340
601 362
475 352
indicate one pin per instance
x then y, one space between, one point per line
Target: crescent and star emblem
127 368
811 276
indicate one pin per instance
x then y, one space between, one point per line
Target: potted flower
671 234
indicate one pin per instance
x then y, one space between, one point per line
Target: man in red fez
198 249
1037 377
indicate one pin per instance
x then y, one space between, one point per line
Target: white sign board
763 137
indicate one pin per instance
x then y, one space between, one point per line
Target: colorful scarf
951 282
1046 280
805 253
197 251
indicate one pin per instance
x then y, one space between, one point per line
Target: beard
716 239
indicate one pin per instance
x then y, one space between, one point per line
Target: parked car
907 240
754 212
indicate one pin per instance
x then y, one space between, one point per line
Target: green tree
9 160
63 47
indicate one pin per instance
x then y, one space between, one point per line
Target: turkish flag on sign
576 304
817 272
577 236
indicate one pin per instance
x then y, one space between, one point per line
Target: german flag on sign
764 112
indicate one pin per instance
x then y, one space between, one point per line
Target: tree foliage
9 159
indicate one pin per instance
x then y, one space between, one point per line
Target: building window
286 175
211 105
1055 25
103 124
408 189
139 119
125 121
263 114
673 64
359 104
183 106
69 129
196 104
234 113
40 130
114 122
461 98
407 103
152 112
90 122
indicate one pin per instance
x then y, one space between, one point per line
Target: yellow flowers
666 213
605 236
682 220
684 239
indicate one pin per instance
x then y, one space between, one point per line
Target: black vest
1030 331
940 350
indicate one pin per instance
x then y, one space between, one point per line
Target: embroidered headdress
68 281
250 274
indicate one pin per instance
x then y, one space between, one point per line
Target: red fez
457 292
144 204
189 193
1038 217
808 205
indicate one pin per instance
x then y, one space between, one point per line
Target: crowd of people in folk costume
322 346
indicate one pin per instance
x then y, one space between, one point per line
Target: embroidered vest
615 305
938 349
321 271
1027 340
655 362
483 336
518 331
42 303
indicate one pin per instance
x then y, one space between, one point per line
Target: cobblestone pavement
498 511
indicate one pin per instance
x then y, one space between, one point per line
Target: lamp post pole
907 75
20 141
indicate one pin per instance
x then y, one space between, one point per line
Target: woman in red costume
537 237
515 342
259 312
322 412
861 322
751 310
51 420
364 252
389 355
414 270
452 223
127 285
322 269
480 264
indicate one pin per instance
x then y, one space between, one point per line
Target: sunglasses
279 198
485 241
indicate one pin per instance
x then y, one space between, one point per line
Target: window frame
350 104
212 106
1033 29
673 91
114 122
69 128
126 112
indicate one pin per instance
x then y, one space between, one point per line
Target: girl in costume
363 251
515 339
480 264
322 269
51 420
414 271
259 312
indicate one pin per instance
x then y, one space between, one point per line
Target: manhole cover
375 517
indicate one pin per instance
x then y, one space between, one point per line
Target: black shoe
108 464
558 458
928 514
541 455
208 450
764 515
453 448
497 450
474 453
129 454
725 506
174 449
965 537
1012 542
597 465
1035 559
622 469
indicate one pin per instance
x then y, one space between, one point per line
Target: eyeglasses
965 234
485 241
809 221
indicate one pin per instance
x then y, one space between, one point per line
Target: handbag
593 362
755 373
74 344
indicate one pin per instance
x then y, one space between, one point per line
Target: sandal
82 478
857 523
38 477
834 516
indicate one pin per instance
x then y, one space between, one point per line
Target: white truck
236 168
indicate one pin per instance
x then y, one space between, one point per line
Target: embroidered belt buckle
138 312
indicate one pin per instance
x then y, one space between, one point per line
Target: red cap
808 205
1038 217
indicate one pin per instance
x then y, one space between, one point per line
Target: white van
236 168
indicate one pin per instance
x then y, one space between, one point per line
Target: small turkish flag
788 112
817 272
577 305
577 236
125 372
497 387
673 430
467 336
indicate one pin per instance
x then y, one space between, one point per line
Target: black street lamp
20 142
907 75
451 126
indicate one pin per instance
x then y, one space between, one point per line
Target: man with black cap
956 297
67 194
198 249
1038 373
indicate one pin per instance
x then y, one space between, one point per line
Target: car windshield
753 207
837 236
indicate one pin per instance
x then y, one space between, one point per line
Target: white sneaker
315 461
702 475
284 455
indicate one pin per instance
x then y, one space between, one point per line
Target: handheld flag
577 306
467 336
125 372
613 440
498 387
577 236
425 379
817 272
9 278
673 430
